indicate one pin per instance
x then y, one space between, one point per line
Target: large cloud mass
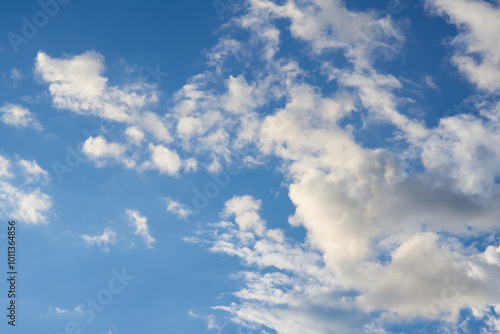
385 244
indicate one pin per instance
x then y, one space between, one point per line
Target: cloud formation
17 116
141 226
385 244
22 199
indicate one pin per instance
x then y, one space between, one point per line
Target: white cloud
190 165
240 96
15 74
17 116
477 53
20 197
444 283
4 167
24 206
33 171
32 206
152 123
74 82
141 226
164 159
102 241
425 278
465 148
60 311
292 292
100 151
376 234
245 210
358 205
429 81
135 134
178 209
65 312
77 83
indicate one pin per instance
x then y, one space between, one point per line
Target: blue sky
252 166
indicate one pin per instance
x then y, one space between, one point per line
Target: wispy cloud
141 226
102 241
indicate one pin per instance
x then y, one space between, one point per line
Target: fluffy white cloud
380 230
164 159
477 53
17 116
426 278
141 226
135 134
77 84
100 151
27 207
380 239
466 149
245 212
291 291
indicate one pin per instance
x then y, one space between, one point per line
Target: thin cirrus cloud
180 210
110 236
141 226
102 241
32 171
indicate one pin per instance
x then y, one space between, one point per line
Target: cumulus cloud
380 230
383 244
18 116
77 83
135 134
286 285
426 278
25 206
245 212
164 159
477 54
466 149
100 151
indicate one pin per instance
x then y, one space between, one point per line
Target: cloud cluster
384 244
140 228
384 234
76 83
